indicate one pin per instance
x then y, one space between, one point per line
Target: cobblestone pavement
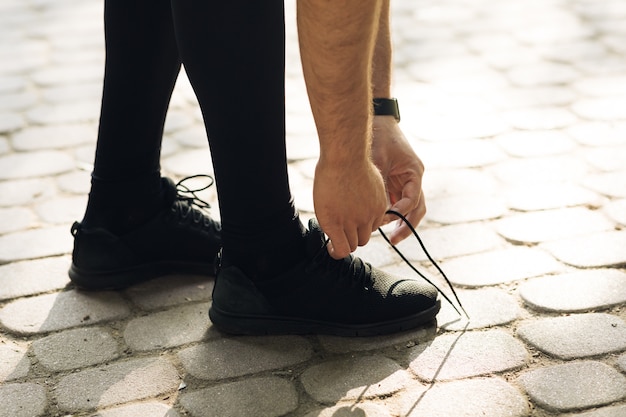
518 109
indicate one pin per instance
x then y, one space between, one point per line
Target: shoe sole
122 278
276 325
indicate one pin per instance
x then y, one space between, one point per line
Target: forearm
337 46
381 65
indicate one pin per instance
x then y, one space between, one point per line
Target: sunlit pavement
518 110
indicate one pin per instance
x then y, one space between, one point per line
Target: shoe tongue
315 238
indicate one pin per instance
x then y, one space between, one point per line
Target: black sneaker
180 239
321 295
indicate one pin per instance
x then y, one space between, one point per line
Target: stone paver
35 243
517 110
591 251
467 354
63 310
169 291
574 385
351 410
143 409
451 241
170 328
352 378
475 207
499 266
18 279
116 383
614 411
75 348
22 400
228 358
548 225
34 164
550 196
486 307
262 397
576 291
14 363
491 397
576 336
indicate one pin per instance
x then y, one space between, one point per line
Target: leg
136 225
141 68
286 282
233 52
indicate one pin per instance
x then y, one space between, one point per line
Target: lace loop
432 261
188 195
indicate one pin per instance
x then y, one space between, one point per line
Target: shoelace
432 261
189 196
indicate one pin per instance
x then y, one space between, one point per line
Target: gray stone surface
517 111
52 137
166 329
622 362
550 196
574 385
228 358
35 243
481 207
576 291
169 291
75 348
352 410
116 383
14 362
262 397
63 310
467 354
591 251
336 344
451 241
616 210
352 378
576 336
612 411
22 400
549 225
18 279
486 307
34 164
14 219
500 266
491 397
609 184
149 409
23 192
541 170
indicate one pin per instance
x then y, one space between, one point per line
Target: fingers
342 243
414 217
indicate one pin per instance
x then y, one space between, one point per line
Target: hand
350 203
402 171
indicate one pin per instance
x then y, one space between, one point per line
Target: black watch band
386 107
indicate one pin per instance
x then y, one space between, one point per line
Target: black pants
233 53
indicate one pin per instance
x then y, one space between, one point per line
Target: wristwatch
387 107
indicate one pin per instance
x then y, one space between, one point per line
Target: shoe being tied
180 239
321 295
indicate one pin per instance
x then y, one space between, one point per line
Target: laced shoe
346 297
180 239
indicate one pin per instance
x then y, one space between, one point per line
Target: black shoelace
432 261
188 195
